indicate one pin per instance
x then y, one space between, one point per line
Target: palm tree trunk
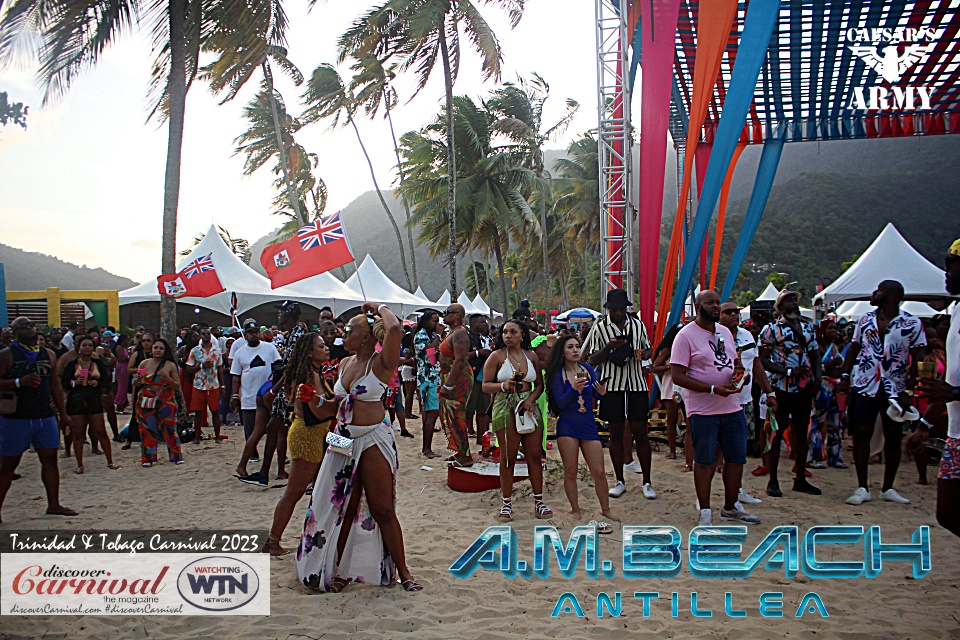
171 182
452 170
543 232
291 195
386 208
503 276
406 205
586 277
473 264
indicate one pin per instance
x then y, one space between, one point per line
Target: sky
84 182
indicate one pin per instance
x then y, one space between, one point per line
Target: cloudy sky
85 181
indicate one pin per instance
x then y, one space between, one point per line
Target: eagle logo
891 64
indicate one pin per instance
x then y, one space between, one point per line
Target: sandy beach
438 526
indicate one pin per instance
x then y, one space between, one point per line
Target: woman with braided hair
314 407
351 532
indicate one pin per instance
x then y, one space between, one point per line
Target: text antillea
652 552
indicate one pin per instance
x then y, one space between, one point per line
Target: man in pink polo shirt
702 362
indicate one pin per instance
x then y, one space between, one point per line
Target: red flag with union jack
316 247
198 279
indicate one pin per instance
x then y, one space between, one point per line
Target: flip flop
411 585
78 471
603 528
62 511
114 467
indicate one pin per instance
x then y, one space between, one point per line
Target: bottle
486 444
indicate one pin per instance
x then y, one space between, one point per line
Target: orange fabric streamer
722 214
714 21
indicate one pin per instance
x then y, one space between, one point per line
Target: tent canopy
890 257
484 308
420 294
467 304
580 313
379 288
445 299
769 294
855 309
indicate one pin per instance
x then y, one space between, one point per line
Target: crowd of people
328 400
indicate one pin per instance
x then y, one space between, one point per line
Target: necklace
581 406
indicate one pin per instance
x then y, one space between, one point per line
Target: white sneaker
650 494
859 496
746 498
891 495
617 490
633 466
706 518
738 514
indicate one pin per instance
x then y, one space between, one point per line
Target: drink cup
142 371
431 355
582 375
927 370
306 393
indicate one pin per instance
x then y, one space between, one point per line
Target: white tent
379 288
890 257
445 299
464 299
769 294
420 294
252 289
484 308
855 309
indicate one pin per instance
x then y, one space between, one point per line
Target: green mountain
29 271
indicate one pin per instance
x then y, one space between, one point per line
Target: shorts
950 461
479 402
727 429
862 412
393 399
306 443
793 409
428 393
619 406
408 374
18 434
203 399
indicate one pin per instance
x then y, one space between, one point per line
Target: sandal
603 528
671 456
146 465
115 467
542 511
62 511
506 510
411 585
338 584
78 471
180 462
126 446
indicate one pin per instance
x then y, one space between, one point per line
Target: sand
438 526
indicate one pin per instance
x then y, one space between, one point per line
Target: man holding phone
752 370
615 347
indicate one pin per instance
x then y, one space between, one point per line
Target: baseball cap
250 323
108 334
289 307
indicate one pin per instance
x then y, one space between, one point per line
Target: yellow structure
54 296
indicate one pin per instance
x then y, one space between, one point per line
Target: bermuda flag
198 279
315 248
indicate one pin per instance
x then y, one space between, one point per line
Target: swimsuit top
507 370
446 350
368 388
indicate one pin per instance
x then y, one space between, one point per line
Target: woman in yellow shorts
305 440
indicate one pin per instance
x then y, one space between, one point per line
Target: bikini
506 373
367 388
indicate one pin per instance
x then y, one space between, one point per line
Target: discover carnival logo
891 53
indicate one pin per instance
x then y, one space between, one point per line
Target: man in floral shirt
790 354
205 360
425 343
881 364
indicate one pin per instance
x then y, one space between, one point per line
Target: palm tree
491 205
477 279
239 57
70 36
419 32
577 191
519 108
371 84
238 246
259 143
327 97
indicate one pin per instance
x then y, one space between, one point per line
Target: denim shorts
17 435
727 429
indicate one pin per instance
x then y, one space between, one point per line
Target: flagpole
359 280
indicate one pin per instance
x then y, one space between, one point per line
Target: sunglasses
730 312
449 311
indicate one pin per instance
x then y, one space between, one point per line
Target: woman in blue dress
572 390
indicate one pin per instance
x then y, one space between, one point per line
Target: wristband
923 423
16 383
711 390
844 376
502 388
448 388
236 395
772 394
381 307
789 373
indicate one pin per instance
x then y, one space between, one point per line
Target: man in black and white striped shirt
615 347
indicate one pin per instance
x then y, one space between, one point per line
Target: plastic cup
84 373
142 371
431 355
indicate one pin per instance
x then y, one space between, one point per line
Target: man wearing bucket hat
614 347
946 396
790 354
880 365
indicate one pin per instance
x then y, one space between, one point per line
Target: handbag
340 444
8 402
526 421
623 354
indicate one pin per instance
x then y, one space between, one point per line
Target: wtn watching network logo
218 583
891 53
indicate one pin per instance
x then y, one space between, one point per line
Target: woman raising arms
351 532
511 374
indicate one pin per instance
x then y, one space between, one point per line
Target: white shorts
408 373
